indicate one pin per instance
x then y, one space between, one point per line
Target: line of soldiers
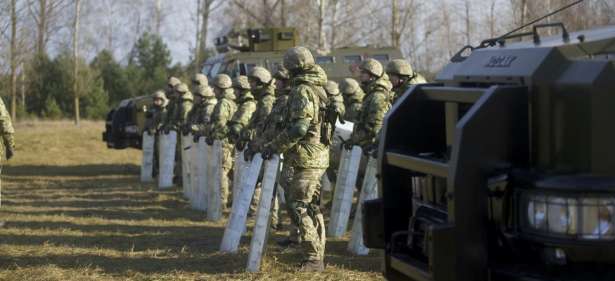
290 112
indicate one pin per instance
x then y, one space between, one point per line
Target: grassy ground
75 210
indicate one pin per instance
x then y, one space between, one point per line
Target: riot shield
147 162
167 150
344 189
214 181
186 144
369 191
261 227
241 204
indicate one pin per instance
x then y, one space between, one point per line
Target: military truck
504 168
239 52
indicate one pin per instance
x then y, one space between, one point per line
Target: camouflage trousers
304 195
227 165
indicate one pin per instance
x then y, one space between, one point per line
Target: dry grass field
74 210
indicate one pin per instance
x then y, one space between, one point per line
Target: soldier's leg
286 177
156 149
275 208
305 201
177 177
227 166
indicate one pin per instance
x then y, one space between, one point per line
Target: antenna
458 57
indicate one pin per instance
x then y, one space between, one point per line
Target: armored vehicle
124 124
504 169
240 51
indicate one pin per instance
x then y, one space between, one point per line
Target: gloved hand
348 144
9 152
210 141
248 154
196 137
268 152
240 145
369 149
234 132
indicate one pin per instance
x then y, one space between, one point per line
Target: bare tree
321 25
75 59
45 16
13 81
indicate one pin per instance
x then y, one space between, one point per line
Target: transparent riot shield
344 189
369 191
147 162
167 149
261 227
241 204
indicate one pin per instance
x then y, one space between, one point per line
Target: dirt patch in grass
75 210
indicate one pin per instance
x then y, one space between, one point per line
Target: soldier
375 105
183 106
246 106
171 95
154 119
204 104
263 85
336 107
219 130
273 125
8 141
402 77
353 98
300 142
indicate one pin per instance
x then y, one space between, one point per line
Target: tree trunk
75 59
197 44
158 16
468 23
283 13
204 26
394 23
23 86
41 26
13 60
321 20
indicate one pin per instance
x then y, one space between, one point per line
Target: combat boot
312 266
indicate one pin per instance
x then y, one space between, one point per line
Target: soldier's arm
187 106
7 128
300 115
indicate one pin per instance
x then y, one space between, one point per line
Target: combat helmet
159 95
372 67
260 74
241 82
200 79
332 88
400 67
181 88
222 81
173 81
298 58
349 86
281 73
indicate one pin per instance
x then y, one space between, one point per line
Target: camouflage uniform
219 130
263 86
154 119
172 97
353 98
245 110
205 102
336 100
300 142
408 77
375 106
7 131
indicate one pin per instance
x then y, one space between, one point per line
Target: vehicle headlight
589 217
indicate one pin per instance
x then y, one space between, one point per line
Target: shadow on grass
78 170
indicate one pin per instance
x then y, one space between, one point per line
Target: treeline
102 83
